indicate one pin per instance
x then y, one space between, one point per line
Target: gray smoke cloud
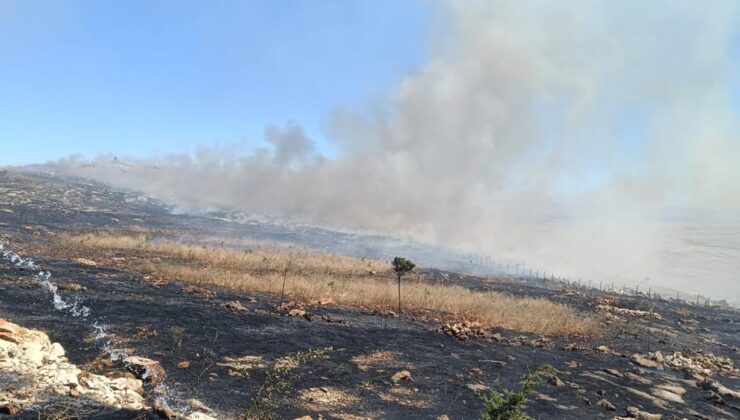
592 138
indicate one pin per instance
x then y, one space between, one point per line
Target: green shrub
510 404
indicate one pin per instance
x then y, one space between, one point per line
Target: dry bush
314 275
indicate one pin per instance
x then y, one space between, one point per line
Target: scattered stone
495 363
86 262
573 364
604 403
667 395
328 300
199 416
297 313
644 361
402 375
183 365
636 413
574 347
714 398
498 337
443 417
614 372
335 319
143 333
720 389
465 330
544 397
199 291
670 387
701 364
292 304
199 405
163 409
304 418
628 312
235 306
638 378
602 349
554 380
72 287
542 342
477 387
145 369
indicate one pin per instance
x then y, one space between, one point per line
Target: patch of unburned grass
312 275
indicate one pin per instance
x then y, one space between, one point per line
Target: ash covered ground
448 370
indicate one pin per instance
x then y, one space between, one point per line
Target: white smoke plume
592 138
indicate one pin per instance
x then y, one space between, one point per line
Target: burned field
231 352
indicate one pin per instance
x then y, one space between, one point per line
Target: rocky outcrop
29 358
465 330
41 374
699 364
628 312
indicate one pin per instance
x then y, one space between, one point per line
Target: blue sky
146 77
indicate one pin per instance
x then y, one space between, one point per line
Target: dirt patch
326 398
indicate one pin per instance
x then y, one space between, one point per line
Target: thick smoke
582 137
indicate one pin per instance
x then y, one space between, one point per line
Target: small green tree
510 405
401 266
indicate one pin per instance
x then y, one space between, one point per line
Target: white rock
56 352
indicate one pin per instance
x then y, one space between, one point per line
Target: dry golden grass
312 275
256 260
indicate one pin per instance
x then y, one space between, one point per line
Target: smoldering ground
595 139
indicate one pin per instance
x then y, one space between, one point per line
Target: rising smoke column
557 134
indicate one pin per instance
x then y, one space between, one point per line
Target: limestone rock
606 405
199 416
146 369
554 380
163 409
297 313
56 352
477 387
636 413
72 287
467 329
644 361
27 356
720 389
402 375
235 306
86 262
